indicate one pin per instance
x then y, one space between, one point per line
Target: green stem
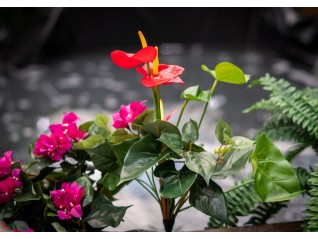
182 110
207 104
156 95
247 182
142 184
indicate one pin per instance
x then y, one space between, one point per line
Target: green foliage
242 201
195 93
294 112
311 217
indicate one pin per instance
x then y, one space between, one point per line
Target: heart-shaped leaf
172 141
196 93
223 132
190 131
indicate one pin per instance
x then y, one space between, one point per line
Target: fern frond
290 103
303 177
265 211
312 211
295 150
241 200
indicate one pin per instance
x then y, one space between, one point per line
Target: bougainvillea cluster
9 179
61 139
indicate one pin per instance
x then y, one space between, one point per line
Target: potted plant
65 195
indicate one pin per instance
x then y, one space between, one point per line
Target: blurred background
55 60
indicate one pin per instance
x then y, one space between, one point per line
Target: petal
167 118
120 124
77 211
63 215
142 71
127 61
150 82
70 118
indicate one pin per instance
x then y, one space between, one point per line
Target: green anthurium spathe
196 93
274 178
202 163
175 183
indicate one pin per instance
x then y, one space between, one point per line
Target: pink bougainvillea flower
16 176
5 163
129 60
54 146
167 74
69 127
128 113
68 200
7 189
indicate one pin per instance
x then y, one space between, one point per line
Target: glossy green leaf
239 142
210 72
223 132
209 199
88 190
141 156
274 178
103 157
121 135
100 126
174 183
190 131
28 192
58 227
144 118
104 214
6 210
229 73
202 163
233 162
85 126
159 127
89 142
111 179
172 141
196 93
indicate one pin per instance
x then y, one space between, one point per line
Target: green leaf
141 156
88 190
210 72
43 162
58 227
6 210
111 179
175 183
172 141
239 142
159 127
190 131
202 163
27 193
19 225
104 214
233 162
144 118
274 178
85 126
89 142
196 93
103 157
100 126
121 135
229 73
223 132
209 199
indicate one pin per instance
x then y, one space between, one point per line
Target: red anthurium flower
68 200
167 74
129 60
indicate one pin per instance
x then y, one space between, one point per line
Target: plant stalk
182 110
207 103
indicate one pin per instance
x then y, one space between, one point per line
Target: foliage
65 195
311 218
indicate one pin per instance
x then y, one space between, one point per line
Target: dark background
27 34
